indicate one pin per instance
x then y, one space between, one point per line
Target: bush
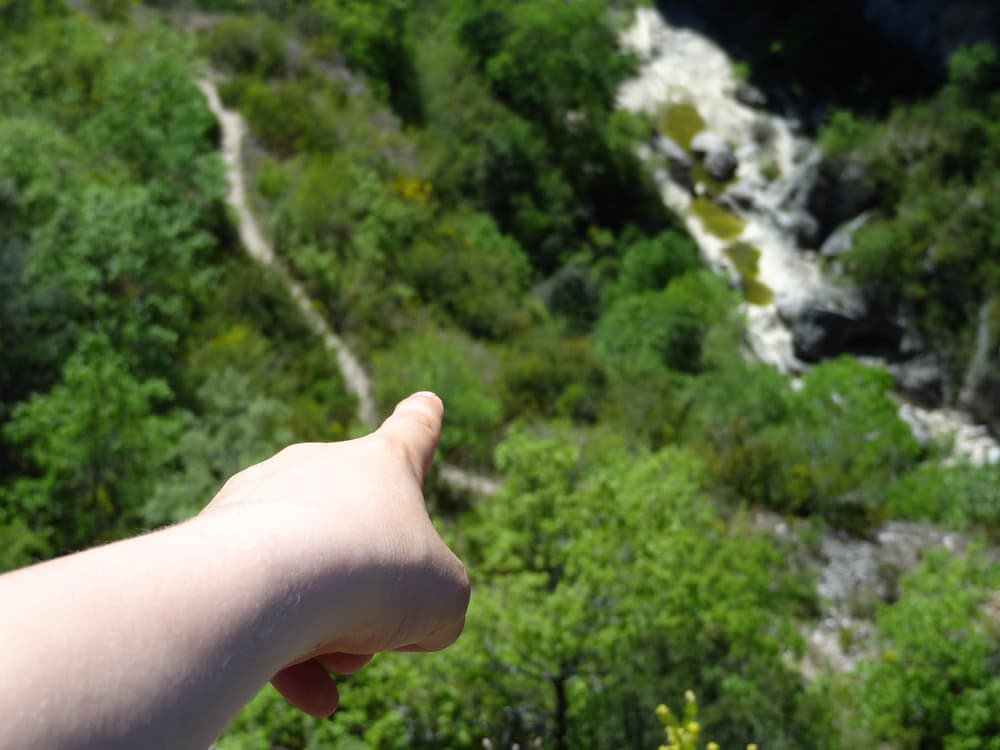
545 375
651 262
933 252
246 44
289 116
572 292
936 684
961 497
477 275
643 332
460 372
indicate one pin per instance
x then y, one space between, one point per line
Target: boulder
740 196
842 238
678 160
980 393
803 226
819 333
921 379
840 191
750 95
716 154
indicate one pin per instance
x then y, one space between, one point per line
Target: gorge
767 223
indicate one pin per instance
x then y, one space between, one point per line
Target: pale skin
302 565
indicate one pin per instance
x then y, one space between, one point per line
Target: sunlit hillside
717 331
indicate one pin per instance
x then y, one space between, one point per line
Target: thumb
415 425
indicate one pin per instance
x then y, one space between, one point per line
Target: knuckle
395 445
420 419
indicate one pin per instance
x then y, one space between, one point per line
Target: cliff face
981 391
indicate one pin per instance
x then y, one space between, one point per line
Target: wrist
301 571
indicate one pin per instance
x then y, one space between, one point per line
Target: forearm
152 642
315 559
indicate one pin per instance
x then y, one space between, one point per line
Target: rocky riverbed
769 211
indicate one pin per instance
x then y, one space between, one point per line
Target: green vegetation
741 71
451 183
770 171
959 497
745 258
722 223
143 360
935 685
933 252
683 731
681 122
454 367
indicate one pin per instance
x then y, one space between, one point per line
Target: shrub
652 330
246 44
936 684
651 262
960 497
460 372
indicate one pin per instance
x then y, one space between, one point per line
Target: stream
680 68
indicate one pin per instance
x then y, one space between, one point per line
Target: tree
651 262
117 256
936 685
93 447
603 576
657 329
932 253
456 369
235 427
832 449
477 275
166 141
546 60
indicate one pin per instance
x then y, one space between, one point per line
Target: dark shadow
810 57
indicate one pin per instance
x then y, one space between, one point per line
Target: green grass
722 223
746 258
680 122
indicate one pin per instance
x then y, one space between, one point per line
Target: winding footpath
356 379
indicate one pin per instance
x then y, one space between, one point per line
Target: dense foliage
937 682
142 359
932 250
451 182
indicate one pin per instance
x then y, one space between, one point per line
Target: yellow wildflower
712 746
661 710
689 696
693 727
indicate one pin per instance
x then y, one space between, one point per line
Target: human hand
353 546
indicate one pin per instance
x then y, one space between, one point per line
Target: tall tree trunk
559 685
